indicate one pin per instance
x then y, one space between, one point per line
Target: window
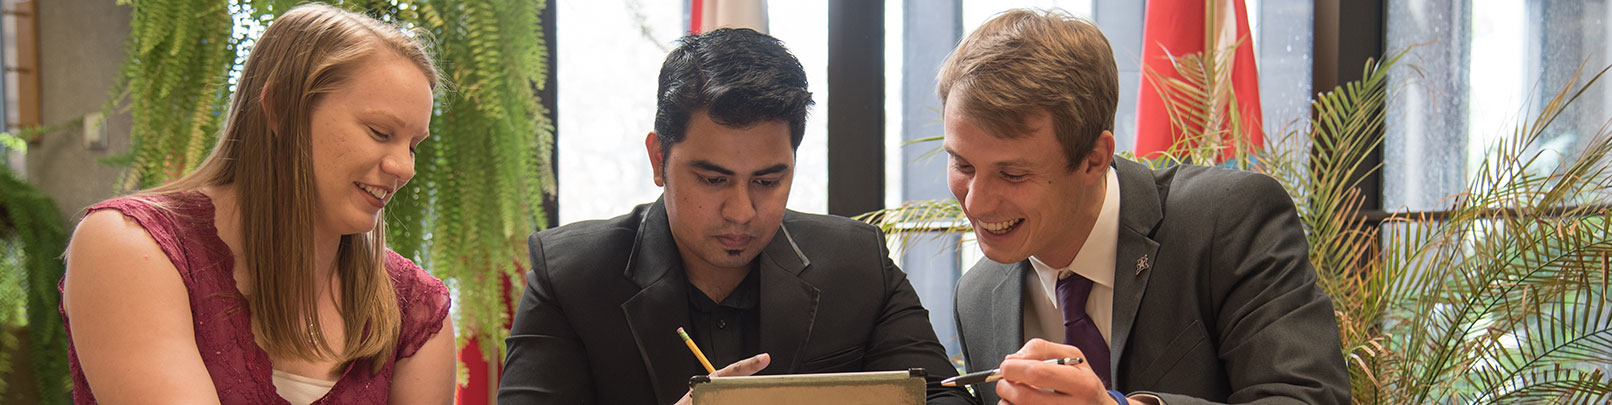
1479 68
19 89
607 100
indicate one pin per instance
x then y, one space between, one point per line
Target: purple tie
1078 329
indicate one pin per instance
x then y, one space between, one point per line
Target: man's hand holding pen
1027 379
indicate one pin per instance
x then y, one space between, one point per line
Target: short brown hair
1022 61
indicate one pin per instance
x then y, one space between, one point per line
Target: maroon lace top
240 369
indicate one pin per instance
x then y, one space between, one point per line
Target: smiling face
363 137
726 189
1020 193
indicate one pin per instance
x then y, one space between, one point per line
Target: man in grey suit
758 287
1189 284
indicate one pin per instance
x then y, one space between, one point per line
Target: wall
80 48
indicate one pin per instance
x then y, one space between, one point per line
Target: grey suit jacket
1214 296
603 301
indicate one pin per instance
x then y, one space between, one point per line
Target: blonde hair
304 54
1023 61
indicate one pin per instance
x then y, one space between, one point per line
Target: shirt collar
746 296
1095 261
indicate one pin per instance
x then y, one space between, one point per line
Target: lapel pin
1142 264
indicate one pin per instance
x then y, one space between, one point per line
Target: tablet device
870 388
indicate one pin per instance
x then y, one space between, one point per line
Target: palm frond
919 219
1491 292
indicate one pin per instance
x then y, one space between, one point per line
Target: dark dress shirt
729 331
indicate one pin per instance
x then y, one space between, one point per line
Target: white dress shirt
1095 261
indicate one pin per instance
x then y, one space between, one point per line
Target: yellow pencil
696 350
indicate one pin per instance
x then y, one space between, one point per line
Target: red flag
1181 27
707 15
481 381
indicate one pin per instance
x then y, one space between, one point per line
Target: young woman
264 276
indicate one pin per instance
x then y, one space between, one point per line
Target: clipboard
869 388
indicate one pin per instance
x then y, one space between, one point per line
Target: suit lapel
788 303
1007 310
1136 251
661 306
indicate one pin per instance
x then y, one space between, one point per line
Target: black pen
996 374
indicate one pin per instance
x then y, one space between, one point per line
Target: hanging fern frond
482 181
31 226
174 84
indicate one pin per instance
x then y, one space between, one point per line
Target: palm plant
1501 297
480 180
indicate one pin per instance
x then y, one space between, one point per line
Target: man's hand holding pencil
740 368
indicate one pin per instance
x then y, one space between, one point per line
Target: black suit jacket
1214 296
603 301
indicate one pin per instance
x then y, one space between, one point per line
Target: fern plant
480 182
32 237
1501 298
480 179
174 83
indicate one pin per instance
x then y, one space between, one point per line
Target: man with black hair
760 288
